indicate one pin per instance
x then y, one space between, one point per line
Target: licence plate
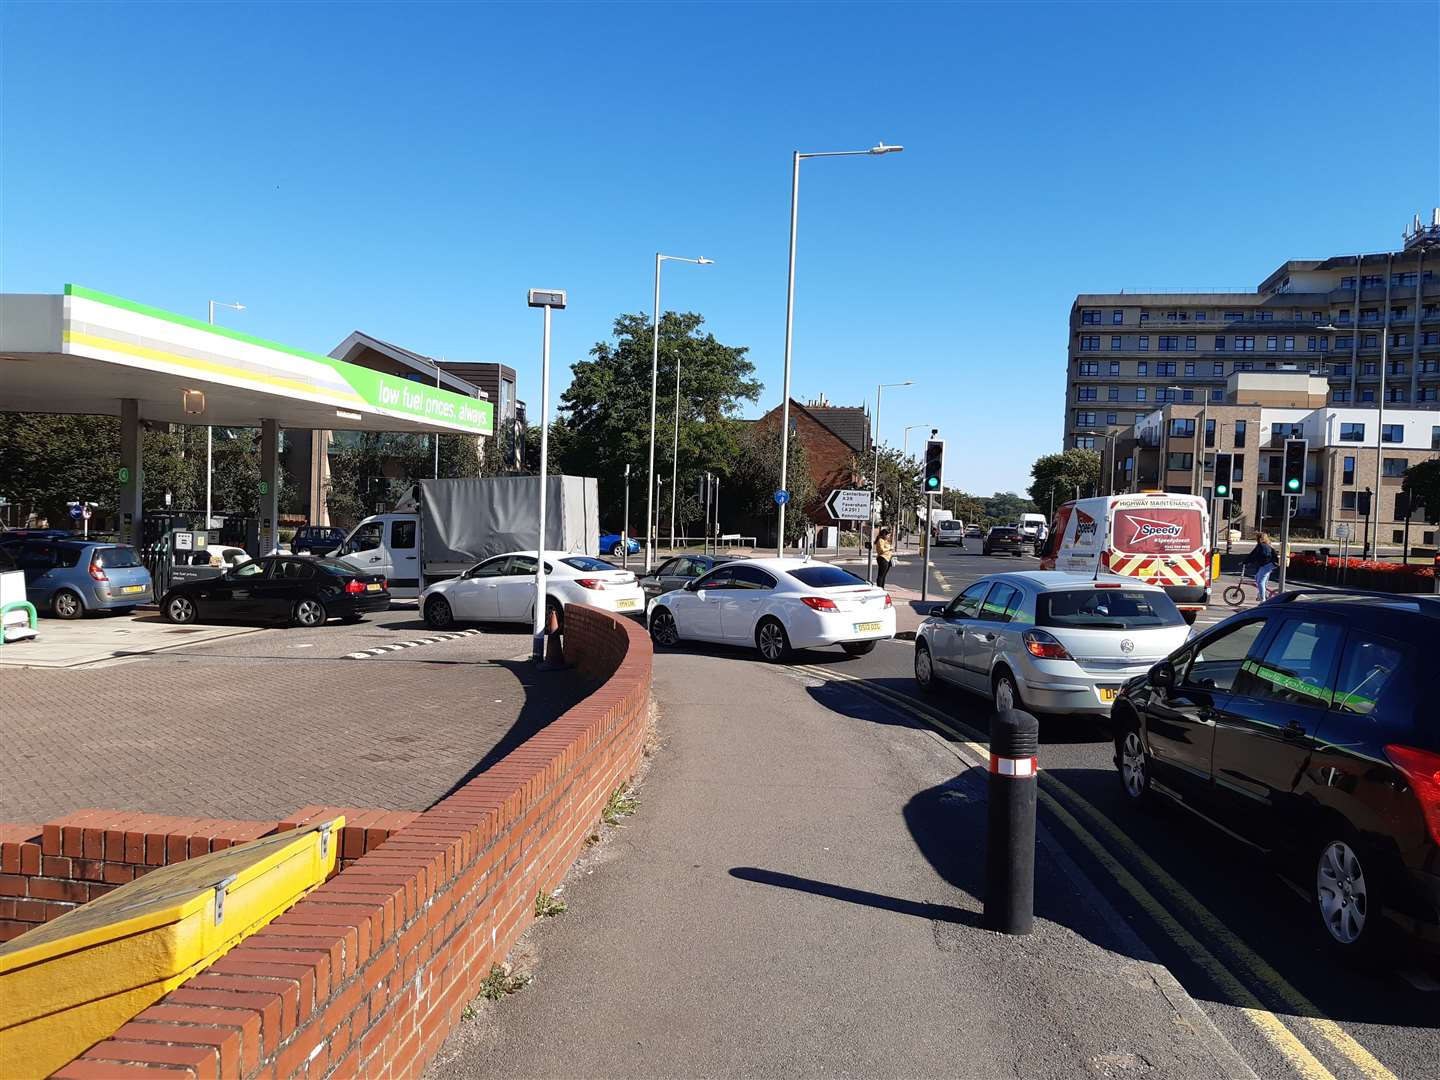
866 627
1109 693
132 588
626 605
372 587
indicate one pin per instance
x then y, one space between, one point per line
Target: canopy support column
132 472
269 485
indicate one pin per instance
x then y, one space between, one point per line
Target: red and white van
1154 536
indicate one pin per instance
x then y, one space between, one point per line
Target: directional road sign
782 497
848 504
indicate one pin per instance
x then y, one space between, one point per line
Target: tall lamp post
875 476
652 485
675 449
548 299
797 157
1109 480
210 430
1380 403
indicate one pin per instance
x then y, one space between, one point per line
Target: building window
1393 467
1084 442
1169 343
1239 434
1089 343
1397 340
1244 344
1347 500
1180 462
1219 342
1401 312
1289 344
1165 367
1087 393
1144 315
1402 280
1352 432
1114 367
1084 419
1234 316
1343 315
1369 314
1187 395
1115 342
1430 337
1199 316
1089 367
1367 395
1140 393
1265 316
1369 341
1117 317
1164 393
1237 472
1397 393
1340 397
1210 433
1244 365
1182 428
1272 343
1392 433
1217 395
1428 393
1090 318
1344 341
1370 367
1112 393
1347 283
1347 475
1218 368
1144 342
1189 369
1110 420
1372 281
1189 342
1142 367
1339 369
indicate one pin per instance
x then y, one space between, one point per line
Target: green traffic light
1294 484
933 481
1222 490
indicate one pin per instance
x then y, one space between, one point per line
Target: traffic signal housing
1224 466
932 480
1292 480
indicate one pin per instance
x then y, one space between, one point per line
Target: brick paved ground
257 726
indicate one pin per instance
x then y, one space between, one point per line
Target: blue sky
410 170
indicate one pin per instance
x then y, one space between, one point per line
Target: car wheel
858 648
66 604
1004 692
438 615
663 630
924 667
1347 900
179 609
310 612
617 550
772 641
1132 762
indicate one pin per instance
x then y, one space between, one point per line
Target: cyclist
1261 562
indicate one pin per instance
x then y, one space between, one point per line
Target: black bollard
1010 833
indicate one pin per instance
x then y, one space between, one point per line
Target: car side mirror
1162 675
690 586
938 612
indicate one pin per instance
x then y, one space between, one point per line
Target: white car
1048 642
502 589
776 605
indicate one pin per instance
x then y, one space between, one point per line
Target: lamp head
702 261
881 148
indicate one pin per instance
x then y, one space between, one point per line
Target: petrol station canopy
86 352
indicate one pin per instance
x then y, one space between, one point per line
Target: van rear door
1162 543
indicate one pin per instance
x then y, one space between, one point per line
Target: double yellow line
1088 824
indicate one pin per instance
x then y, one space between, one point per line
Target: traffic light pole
1284 539
925 539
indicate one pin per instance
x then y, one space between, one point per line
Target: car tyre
66 604
309 613
438 615
1348 900
663 631
618 550
179 609
1132 762
772 641
1004 692
858 648
924 667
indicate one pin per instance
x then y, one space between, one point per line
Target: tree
1061 474
1422 482
756 474
899 486
1006 506
966 507
605 412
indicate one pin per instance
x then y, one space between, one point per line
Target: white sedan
776 605
502 589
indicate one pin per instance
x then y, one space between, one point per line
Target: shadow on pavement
918 908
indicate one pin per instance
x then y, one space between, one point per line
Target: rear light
1045 646
819 603
888 601
1099 585
1422 769
384 584
591 583
354 585
98 572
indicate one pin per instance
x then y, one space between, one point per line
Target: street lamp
547 299
905 450
875 474
675 450
209 430
651 484
797 157
1110 438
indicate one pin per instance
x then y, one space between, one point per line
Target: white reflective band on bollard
1014 766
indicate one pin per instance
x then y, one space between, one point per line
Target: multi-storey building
1368 325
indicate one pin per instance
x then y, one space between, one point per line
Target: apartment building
1367 325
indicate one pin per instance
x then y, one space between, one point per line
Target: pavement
799 895
97 638
258 723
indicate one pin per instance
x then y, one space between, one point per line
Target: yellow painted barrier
73 981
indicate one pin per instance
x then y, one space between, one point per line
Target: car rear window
585 562
117 558
1106 609
825 577
337 566
1003 531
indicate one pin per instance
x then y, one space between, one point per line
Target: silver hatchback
1048 642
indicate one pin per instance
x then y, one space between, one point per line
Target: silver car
1048 642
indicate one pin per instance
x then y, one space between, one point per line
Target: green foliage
1422 481
546 905
369 470
966 507
756 475
899 480
622 803
605 421
1061 474
1005 506
502 982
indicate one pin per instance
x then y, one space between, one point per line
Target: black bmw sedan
1307 727
296 590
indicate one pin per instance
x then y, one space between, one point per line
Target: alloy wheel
771 640
924 667
663 630
438 613
1132 764
67 605
309 613
1004 694
1341 892
180 609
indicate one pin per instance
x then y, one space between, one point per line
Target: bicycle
1234 595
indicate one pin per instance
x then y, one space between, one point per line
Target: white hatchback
776 605
502 589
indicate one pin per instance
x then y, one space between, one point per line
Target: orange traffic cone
554 651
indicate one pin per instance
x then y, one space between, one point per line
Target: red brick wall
367 975
829 456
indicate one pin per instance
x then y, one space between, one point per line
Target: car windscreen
117 558
825 577
586 563
1106 609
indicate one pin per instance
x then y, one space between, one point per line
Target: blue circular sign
782 497
77 511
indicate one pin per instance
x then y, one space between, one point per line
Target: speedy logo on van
1159 532
1149 530
1085 526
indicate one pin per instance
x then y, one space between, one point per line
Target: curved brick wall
368 974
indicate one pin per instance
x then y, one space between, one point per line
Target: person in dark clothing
1261 562
884 556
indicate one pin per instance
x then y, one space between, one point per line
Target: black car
1307 727
295 589
676 573
1007 539
316 540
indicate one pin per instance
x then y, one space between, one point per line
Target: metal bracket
220 887
325 830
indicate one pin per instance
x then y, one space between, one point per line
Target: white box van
1155 537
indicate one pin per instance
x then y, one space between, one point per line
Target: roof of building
418 362
849 423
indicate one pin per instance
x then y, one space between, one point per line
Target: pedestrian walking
884 556
1261 562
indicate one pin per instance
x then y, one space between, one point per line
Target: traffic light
932 480
1224 465
1293 478
1362 503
